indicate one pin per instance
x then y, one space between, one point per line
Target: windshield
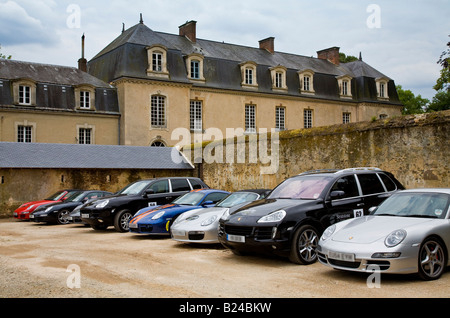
56 196
428 205
237 198
191 198
75 197
134 188
304 187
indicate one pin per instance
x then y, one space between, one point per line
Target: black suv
118 209
291 219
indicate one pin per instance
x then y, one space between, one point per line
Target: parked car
23 212
291 219
158 220
407 233
58 212
117 210
201 225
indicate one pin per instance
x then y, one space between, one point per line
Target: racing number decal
358 213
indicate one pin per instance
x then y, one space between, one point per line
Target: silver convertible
201 226
407 233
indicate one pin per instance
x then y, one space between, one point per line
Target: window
196 115
158 143
248 71
308 118
161 186
85 136
280 118
85 99
195 184
215 197
24 134
157 61
346 118
278 74
382 88
180 185
348 185
24 95
250 118
344 83
158 111
195 69
306 78
370 184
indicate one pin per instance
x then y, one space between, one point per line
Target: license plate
178 233
342 256
133 225
236 238
31 216
85 216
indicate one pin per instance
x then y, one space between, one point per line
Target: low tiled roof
73 156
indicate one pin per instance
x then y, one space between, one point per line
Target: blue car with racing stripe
157 220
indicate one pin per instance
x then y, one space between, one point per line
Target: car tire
304 244
61 217
121 220
432 259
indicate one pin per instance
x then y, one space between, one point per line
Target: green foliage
347 58
412 104
2 56
443 82
441 101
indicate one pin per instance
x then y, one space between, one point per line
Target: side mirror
337 194
148 192
372 209
206 203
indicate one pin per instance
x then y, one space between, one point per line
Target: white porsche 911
407 233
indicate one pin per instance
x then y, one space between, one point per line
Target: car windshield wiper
420 216
385 214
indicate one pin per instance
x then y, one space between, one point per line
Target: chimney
268 44
189 30
331 54
82 63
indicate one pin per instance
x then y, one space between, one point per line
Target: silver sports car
407 233
201 225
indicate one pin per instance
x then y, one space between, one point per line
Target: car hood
266 206
170 210
25 206
368 229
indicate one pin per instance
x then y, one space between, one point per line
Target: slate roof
73 156
126 56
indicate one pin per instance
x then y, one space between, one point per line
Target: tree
412 104
441 101
4 56
347 58
443 82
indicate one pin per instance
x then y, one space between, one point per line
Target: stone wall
18 186
414 148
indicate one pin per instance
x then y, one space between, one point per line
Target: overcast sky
402 39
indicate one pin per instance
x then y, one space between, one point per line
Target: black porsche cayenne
290 221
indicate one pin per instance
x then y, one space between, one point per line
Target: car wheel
304 244
61 218
121 221
432 259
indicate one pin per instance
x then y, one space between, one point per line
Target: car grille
259 233
344 263
143 228
196 236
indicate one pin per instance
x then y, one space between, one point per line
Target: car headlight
273 217
209 221
158 215
225 215
101 204
328 232
395 238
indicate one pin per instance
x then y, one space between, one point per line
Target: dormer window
24 91
248 72
85 97
306 79
382 88
194 66
157 61
278 74
345 86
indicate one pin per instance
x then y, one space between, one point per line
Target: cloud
23 26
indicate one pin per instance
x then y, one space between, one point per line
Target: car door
344 201
159 193
373 190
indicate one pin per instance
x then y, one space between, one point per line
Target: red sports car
23 212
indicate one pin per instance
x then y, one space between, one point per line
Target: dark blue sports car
157 220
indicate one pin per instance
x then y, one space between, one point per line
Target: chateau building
169 81
56 104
